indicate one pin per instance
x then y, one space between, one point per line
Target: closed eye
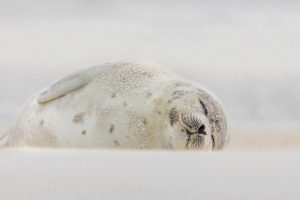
204 108
213 141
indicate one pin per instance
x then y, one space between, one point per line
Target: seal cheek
173 116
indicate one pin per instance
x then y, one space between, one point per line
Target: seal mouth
194 143
195 140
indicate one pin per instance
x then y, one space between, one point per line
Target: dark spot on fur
204 108
41 122
125 104
214 120
173 116
169 101
159 112
178 94
199 90
127 136
149 94
113 95
145 121
116 143
78 118
111 129
83 132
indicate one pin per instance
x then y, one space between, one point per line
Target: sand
264 141
253 166
251 141
97 174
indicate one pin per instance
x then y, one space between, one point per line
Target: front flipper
68 84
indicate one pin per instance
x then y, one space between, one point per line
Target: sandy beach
251 141
103 174
264 141
252 166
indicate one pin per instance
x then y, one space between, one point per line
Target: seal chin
196 142
199 142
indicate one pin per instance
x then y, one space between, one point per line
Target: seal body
122 105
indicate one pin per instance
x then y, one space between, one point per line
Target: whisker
188 141
193 143
191 121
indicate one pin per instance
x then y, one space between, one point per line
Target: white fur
113 105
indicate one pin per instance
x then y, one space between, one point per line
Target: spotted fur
121 104
78 118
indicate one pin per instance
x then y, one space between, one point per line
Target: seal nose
201 130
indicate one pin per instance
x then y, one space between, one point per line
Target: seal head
196 120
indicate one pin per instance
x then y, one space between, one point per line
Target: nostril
201 129
202 133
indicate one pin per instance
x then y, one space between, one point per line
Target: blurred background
246 52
